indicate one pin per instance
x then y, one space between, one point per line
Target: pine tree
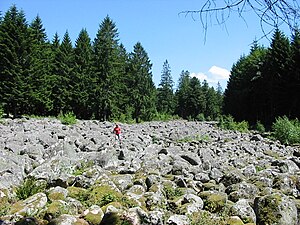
142 91
107 70
165 95
83 82
14 63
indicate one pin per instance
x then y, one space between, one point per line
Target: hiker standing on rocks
117 132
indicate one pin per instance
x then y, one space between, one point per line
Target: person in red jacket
117 132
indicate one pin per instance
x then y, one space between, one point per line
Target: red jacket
117 130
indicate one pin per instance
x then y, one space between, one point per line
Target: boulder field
175 173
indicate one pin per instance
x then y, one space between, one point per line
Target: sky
161 28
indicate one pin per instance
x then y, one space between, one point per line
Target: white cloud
200 76
214 75
219 73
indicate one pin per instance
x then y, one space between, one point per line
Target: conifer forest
96 78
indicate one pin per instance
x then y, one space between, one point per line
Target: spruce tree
165 94
56 80
39 72
107 70
67 74
196 101
294 77
182 94
83 82
243 94
142 91
14 63
276 76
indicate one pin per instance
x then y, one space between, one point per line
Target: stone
276 209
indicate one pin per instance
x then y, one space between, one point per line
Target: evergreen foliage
83 79
14 63
107 70
94 80
264 85
196 100
165 95
142 89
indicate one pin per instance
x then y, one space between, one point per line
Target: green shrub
200 117
260 127
68 118
1 111
164 117
228 123
30 187
286 131
172 193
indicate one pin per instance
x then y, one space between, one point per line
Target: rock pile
174 172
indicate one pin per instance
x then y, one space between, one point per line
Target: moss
56 196
80 194
268 209
234 220
154 188
4 203
213 202
56 208
116 205
103 195
205 218
172 193
18 206
93 219
271 153
209 186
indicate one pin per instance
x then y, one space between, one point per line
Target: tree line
265 84
94 79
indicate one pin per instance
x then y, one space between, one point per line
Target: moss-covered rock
234 220
243 210
276 209
78 193
57 193
30 206
4 202
57 208
93 215
213 201
102 195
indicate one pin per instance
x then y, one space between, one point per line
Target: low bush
286 131
1 111
260 127
228 123
68 118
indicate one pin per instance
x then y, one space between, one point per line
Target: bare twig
272 13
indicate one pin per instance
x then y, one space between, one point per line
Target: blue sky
163 32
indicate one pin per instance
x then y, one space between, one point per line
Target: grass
197 138
29 187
